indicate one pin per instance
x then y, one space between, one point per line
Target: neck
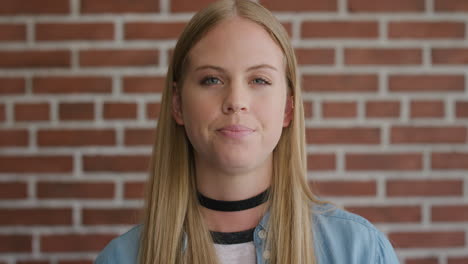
237 185
233 186
233 221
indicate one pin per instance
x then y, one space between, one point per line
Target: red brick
143 84
188 6
14 138
315 56
427 135
321 162
388 214
72 85
426 83
2 112
339 109
340 29
34 7
299 5
36 164
383 161
153 110
449 213
76 261
422 261
382 109
427 109
35 217
153 30
13 190
426 30
344 188
76 111
308 109
288 27
120 111
15 243
134 190
119 6
122 163
386 6
74 242
428 239
76 137
12 85
457 260
341 83
35 58
461 109
412 188
33 261
449 160
32 112
75 190
120 216
451 6
119 58
382 56
354 135
139 136
12 32
457 56
74 31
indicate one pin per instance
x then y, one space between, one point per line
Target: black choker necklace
231 206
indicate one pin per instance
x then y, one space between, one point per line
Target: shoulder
341 236
122 249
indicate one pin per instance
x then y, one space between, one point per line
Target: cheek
271 111
196 113
196 107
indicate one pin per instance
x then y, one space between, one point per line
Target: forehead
236 43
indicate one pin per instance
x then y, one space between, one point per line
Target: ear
177 105
288 111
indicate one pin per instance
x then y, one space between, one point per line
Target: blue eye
211 81
260 81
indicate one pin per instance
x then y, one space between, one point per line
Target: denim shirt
339 237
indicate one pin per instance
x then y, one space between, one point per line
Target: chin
239 165
235 163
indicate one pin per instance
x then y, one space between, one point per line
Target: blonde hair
173 228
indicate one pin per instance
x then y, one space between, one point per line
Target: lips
235 131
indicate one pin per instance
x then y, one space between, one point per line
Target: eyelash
205 80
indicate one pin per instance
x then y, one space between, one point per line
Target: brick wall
386 105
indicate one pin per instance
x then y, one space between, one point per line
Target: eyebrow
217 68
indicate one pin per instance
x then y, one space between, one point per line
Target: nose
235 100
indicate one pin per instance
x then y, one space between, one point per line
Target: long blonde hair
173 228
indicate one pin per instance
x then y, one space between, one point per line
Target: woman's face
233 99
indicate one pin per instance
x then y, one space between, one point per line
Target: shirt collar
262 224
264 221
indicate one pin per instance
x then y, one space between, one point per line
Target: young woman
228 171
